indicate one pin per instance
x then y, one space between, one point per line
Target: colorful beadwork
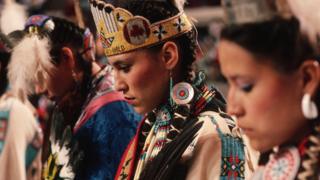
283 166
233 156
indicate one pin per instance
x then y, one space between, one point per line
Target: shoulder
221 122
114 115
218 134
16 107
216 142
119 110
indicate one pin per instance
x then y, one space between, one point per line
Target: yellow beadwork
121 32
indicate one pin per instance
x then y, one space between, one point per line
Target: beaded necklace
166 122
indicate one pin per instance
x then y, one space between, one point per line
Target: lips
245 129
130 100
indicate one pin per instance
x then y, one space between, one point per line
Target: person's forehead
126 57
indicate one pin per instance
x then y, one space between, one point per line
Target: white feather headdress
179 4
29 66
13 17
308 13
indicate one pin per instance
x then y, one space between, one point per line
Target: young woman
20 133
272 66
91 124
185 134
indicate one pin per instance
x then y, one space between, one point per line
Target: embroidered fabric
167 123
288 161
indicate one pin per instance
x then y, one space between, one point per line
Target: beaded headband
47 24
252 11
121 32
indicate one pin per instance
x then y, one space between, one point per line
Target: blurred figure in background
91 124
20 133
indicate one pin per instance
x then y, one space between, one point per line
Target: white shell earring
182 93
309 108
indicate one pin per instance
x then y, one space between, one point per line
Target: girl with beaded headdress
20 133
185 133
274 89
91 124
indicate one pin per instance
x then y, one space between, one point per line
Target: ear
67 58
170 55
311 74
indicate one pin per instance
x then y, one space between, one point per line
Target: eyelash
247 88
124 68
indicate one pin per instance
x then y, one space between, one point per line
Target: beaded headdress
121 32
252 11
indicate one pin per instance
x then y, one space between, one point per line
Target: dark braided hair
69 34
61 33
281 42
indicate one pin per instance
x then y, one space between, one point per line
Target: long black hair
66 33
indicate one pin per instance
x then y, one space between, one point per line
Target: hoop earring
309 108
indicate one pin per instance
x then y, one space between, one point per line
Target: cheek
59 83
53 86
275 99
274 114
148 85
146 79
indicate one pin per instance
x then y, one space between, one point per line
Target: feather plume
29 65
13 17
308 13
179 4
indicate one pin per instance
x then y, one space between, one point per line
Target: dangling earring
182 93
171 89
309 108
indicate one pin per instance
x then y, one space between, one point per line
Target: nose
120 84
234 106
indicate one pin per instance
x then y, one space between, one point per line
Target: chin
260 146
140 110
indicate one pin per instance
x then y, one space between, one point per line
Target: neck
304 132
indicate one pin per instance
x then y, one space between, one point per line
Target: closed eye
123 67
247 87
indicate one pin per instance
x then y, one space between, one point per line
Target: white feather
179 4
308 13
13 17
29 65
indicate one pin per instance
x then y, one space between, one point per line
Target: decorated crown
122 32
251 11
